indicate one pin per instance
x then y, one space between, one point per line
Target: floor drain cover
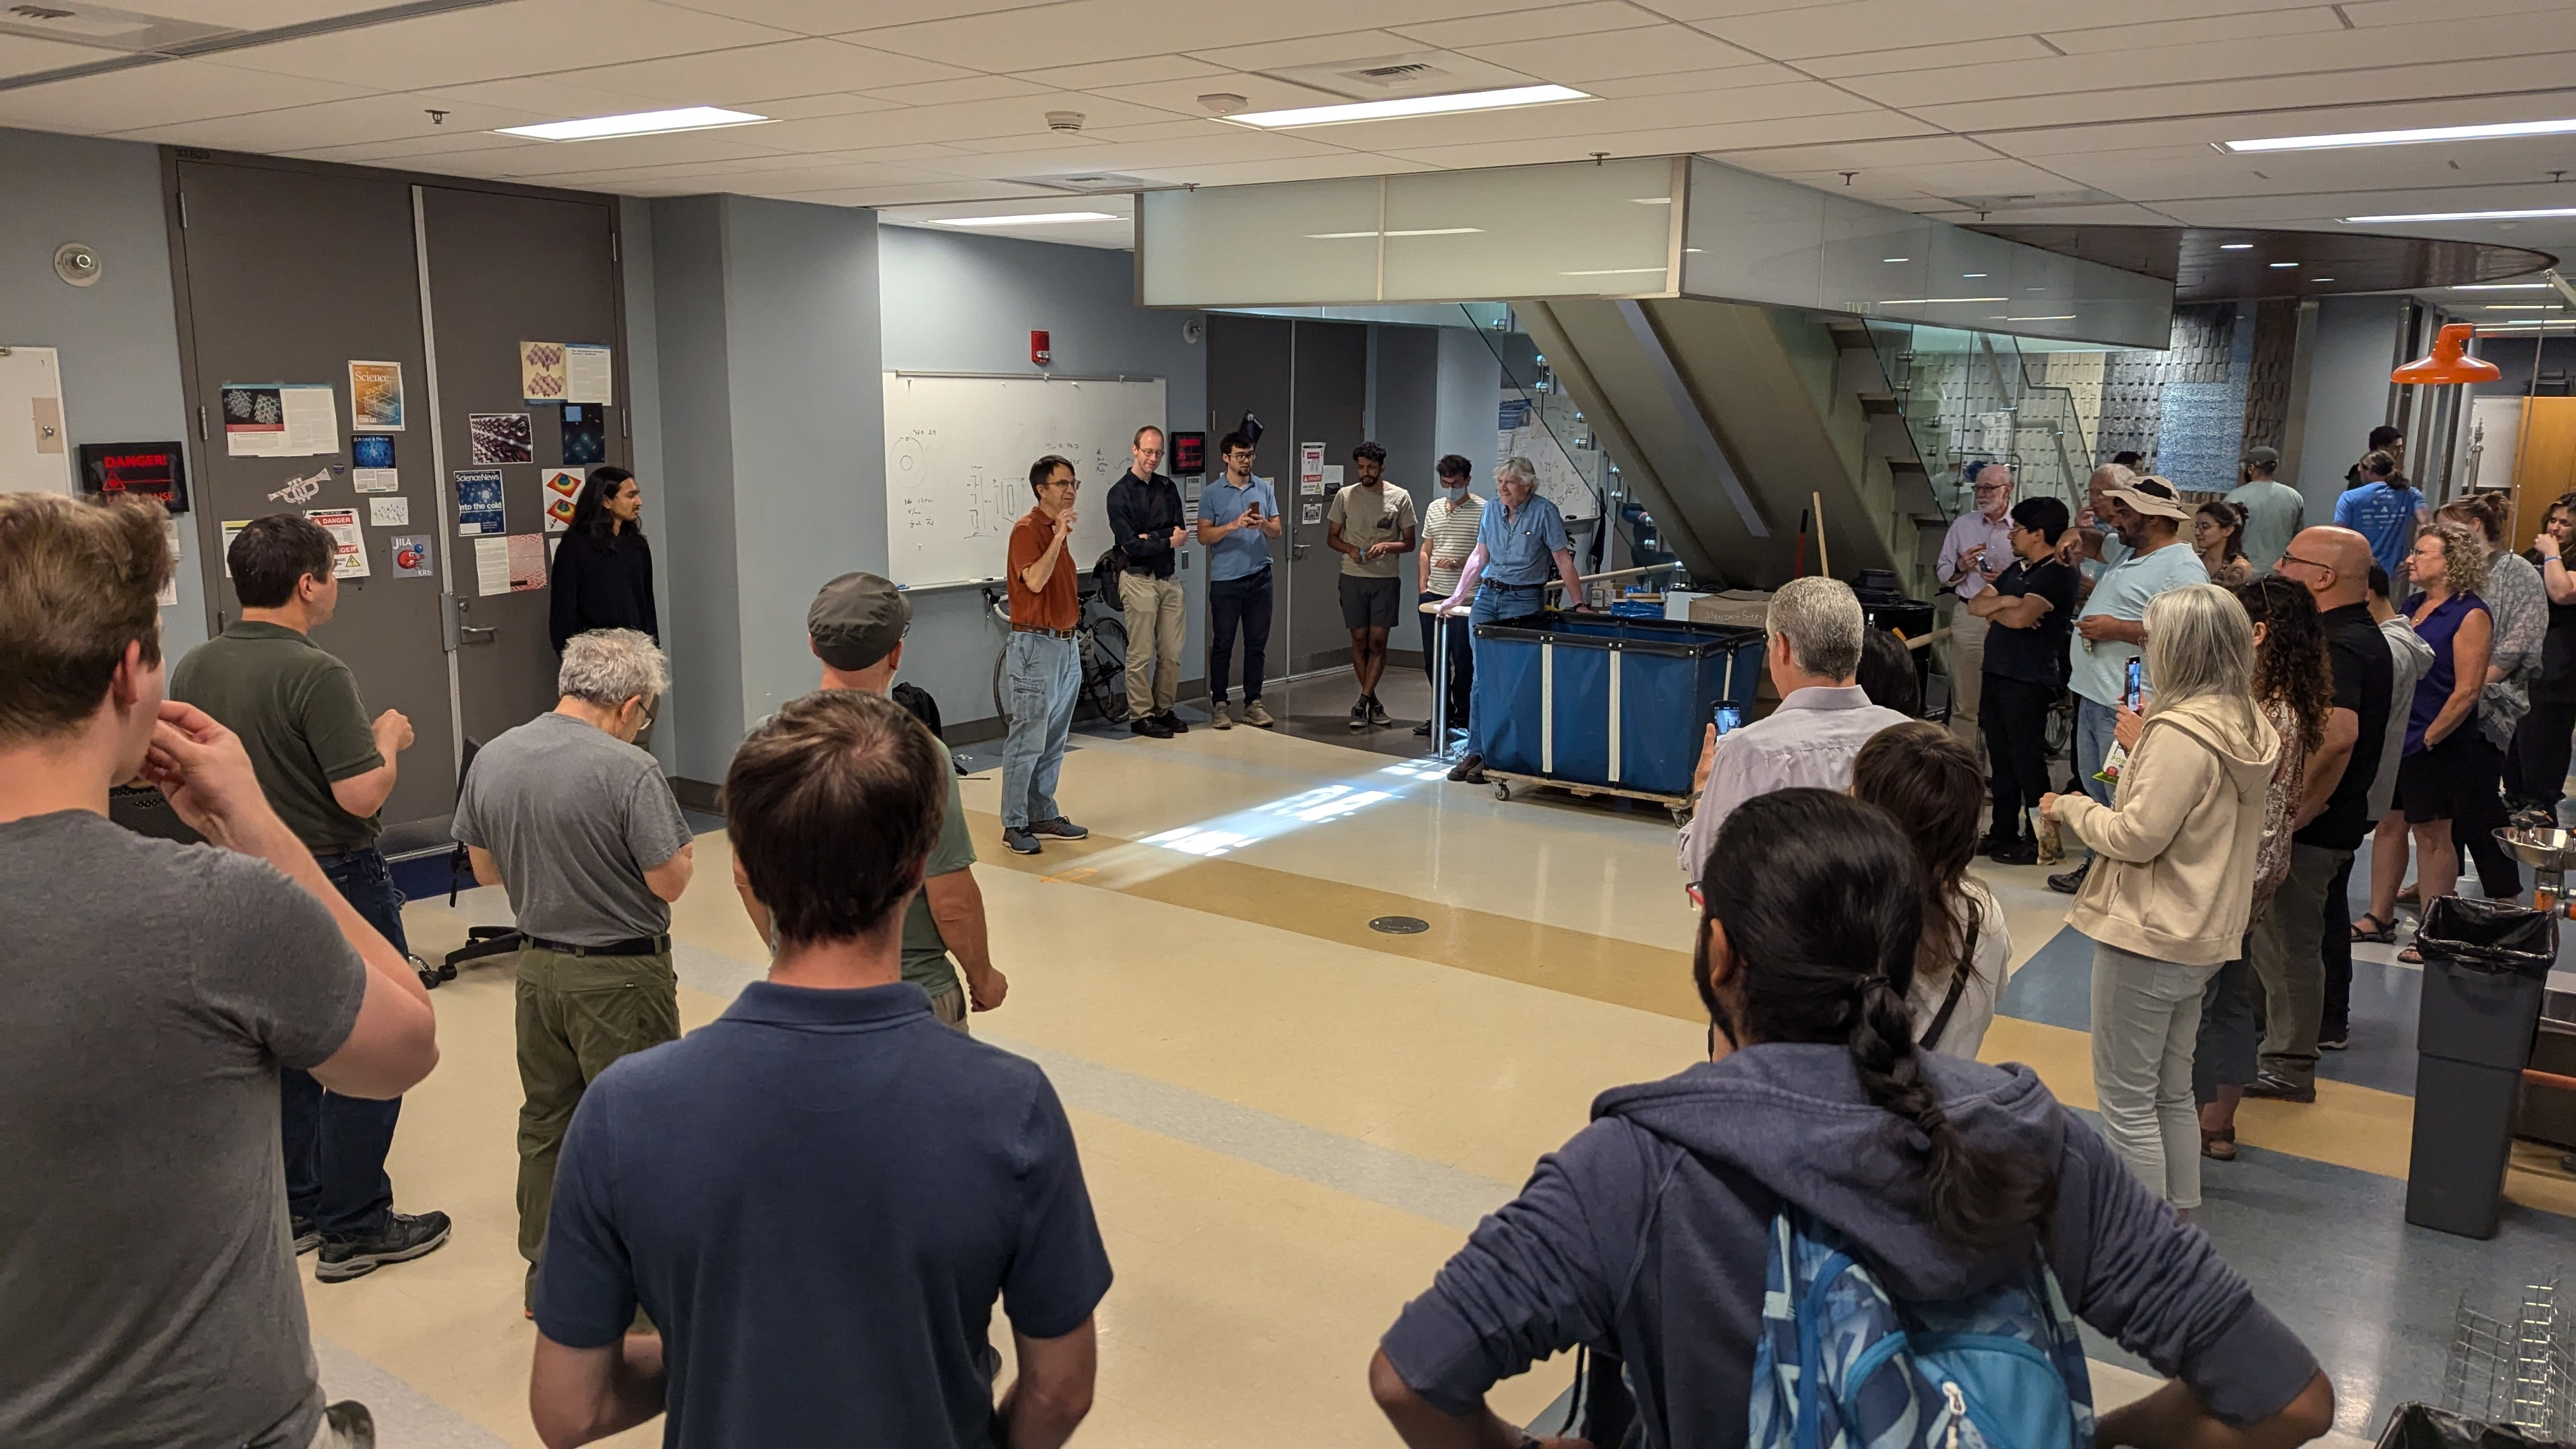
1400 925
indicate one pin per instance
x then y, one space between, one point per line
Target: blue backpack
1841 1365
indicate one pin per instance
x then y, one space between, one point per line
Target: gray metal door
502 269
285 276
1328 405
1248 372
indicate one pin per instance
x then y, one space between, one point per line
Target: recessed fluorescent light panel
2498 131
2500 287
2276 266
1405 106
641 123
1418 231
2534 213
1933 301
2236 246
1035 218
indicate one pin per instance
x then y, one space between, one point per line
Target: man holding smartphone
1238 516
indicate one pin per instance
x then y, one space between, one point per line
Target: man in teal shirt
856 628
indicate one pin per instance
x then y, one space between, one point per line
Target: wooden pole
1824 565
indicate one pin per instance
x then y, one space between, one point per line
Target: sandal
2383 932
2410 957
2219 1146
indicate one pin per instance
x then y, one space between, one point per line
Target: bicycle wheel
1104 668
2058 735
1002 686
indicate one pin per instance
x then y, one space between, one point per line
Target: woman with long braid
1648 1236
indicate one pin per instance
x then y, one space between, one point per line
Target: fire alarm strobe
1039 353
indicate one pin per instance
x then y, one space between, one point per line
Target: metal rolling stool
1441 748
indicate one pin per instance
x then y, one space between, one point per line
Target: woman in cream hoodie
2168 901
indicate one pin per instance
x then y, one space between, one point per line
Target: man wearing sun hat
2149 515
2274 511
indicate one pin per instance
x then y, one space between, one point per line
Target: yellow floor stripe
2347 1126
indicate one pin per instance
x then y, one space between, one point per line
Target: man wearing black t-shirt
2334 566
2028 608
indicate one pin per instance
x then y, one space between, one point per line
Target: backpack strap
1959 975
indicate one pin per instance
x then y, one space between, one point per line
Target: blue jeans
1045 674
2093 725
1496 603
335 1145
1242 604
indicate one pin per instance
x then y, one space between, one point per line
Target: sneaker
1019 842
1423 729
2281 1089
1151 727
307 1237
1059 829
1377 712
1255 716
1359 713
2018 852
2067 883
2339 1042
1173 722
402 1238
1988 845
1469 771
1218 717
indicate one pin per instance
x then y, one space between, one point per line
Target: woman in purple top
2437 775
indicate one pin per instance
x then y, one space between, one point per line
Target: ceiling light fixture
2496 131
1419 231
2236 246
2448 362
1037 218
2500 287
1896 259
1652 200
2276 266
1614 272
2522 306
1970 276
2320 279
1408 106
1933 301
641 123
2534 213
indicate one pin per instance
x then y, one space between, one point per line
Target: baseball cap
2153 495
2263 457
857 620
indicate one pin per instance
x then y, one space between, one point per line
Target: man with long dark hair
603 574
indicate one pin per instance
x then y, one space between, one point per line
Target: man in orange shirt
1044 663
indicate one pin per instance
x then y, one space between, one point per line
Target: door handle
1297 551
468 634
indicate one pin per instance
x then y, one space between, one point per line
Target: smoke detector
1222 103
1064 120
76 263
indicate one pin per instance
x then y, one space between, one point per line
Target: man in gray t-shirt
582 829
148 1291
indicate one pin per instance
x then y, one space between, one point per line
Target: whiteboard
958 451
35 446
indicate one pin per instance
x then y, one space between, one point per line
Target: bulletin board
35 443
958 450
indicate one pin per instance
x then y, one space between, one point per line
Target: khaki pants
576 1015
1154 628
1967 673
950 1007
2290 966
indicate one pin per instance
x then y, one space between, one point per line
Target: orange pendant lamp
2449 361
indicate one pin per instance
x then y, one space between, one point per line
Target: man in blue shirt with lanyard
1517 541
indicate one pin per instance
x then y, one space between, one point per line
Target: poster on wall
563 492
254 420
586 375
232 530
373 465
541 372
585 434
411 557
478 501
501 438
527 562
348 542
158 471
491 566
375 397
389 512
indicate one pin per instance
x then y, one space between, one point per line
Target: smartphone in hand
1727 716
2134 692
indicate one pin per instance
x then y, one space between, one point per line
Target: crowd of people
667 1184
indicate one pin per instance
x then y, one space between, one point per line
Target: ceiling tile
1028 145
1732 77
1768 131
1259 92
962 88
1928 57
832 17
2122 40
1583 17
550 99
25 55
2203 130
971 121
1110 75
511 39
961 189
2303 91
1076 32
1324 48
347 122
1596 121
251 14
160 95
762 72
1304 168
427 152
1864 156
834 103
2367 13
1839 29
1576 59
575 158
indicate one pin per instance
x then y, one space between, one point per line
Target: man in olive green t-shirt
856 628
327 770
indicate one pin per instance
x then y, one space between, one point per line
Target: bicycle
1099 640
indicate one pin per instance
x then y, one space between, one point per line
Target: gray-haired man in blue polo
1520 538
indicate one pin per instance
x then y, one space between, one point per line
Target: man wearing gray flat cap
856 627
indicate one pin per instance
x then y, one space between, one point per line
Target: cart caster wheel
1502 790
1680 815
429 980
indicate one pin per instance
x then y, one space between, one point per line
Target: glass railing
1970 398
1537 419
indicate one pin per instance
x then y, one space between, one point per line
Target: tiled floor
1289 1119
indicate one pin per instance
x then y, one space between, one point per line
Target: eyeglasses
2291 558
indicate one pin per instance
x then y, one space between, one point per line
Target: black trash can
2486 967
2421 1426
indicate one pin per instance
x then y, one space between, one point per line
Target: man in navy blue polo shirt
1519 543
820 1196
